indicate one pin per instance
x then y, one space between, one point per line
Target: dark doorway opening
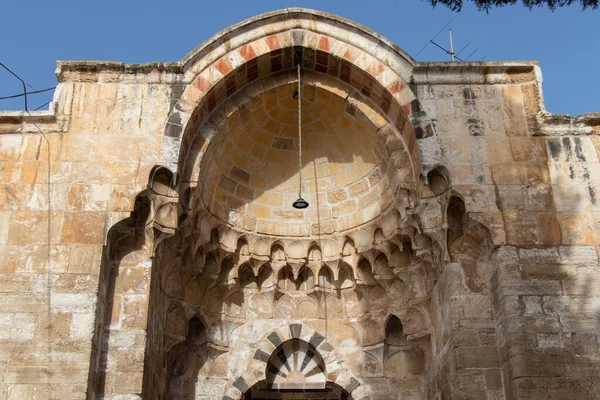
262 391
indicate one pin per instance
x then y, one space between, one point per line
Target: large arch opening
243 261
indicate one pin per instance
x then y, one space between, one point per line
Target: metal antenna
453 56
431 40
451 45
461 50
474 51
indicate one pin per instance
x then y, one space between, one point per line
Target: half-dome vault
353 161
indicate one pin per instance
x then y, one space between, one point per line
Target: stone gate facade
150 249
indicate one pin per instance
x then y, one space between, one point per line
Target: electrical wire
45 104
19 78
25 94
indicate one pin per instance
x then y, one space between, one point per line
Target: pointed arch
348 248
326 44
266 278
246 277
394 331
345 277
325 277
365 273
336 370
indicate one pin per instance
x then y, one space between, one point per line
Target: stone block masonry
149 250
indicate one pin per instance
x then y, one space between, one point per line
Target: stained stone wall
68 176
149 248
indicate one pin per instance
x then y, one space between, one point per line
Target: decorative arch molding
277 21
264 45
258 364
296 364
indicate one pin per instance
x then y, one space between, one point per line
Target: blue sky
36 33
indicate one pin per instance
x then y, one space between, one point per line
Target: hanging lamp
300 203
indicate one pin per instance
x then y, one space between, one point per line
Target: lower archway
296 370
263 391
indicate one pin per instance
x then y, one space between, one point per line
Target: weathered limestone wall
531 179
66 179
546 307
529 176
467 363
514 314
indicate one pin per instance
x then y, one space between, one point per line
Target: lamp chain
299 134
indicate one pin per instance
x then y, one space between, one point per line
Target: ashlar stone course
149 248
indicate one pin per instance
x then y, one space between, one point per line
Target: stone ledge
90 70
22 122
489 73
547 124
18 117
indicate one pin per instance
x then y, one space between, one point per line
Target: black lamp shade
300 203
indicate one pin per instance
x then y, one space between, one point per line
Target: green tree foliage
486 5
